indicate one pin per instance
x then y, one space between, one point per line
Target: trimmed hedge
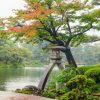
83 69
80 88
94 74
80 81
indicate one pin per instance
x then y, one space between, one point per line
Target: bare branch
83 31
45 27
58 28
62 20
95 40
73 36
69 28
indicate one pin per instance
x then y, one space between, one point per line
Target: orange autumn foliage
38 12
15 29
28 30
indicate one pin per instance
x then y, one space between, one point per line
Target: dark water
14 78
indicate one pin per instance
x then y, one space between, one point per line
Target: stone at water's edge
18 96
32 88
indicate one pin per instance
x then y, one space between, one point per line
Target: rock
32 88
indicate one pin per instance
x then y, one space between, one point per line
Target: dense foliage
71 84
84 69
60 22
11 54
94 74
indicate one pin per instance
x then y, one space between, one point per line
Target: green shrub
72 95
90 82
66 75
96 88
76 94
69 84
24 91
83 69
49 94
80 88
61 78
80 82
94 74
50 90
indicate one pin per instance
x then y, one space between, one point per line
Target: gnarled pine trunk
70 57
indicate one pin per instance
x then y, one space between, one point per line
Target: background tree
11 54
96 2
60 22
89 54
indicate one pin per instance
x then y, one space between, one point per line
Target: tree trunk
70 57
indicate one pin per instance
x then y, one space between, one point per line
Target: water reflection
14 78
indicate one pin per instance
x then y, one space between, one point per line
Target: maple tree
3 34
60 22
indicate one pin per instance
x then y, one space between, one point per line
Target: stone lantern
56 52
55 60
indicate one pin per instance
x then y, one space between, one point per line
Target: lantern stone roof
57 48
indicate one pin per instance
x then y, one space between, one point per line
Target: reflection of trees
33 73
17 73
7 73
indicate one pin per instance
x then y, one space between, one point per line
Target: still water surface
14 78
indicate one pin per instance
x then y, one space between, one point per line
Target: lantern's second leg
59 64
44 79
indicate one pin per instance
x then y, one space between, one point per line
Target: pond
14 78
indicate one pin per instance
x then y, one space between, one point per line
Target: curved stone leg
59 64
44 79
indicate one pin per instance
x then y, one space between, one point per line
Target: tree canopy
56 21
60 22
